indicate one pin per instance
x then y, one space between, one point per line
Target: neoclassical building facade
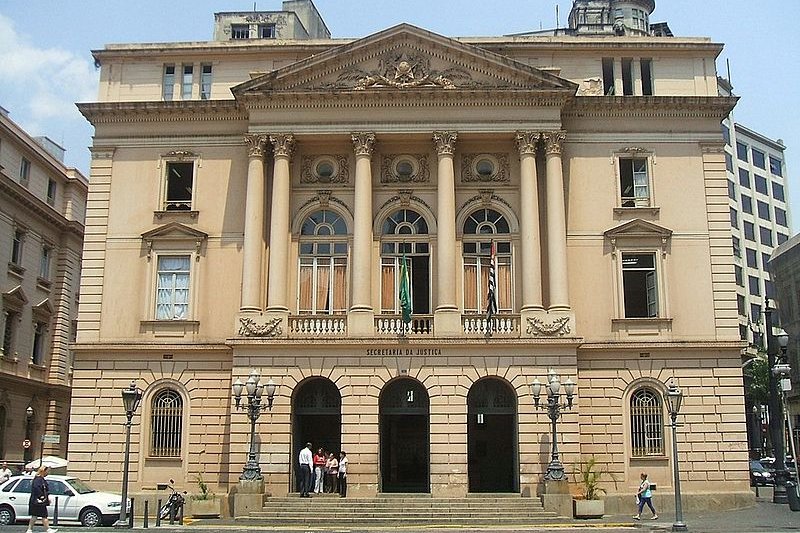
253 201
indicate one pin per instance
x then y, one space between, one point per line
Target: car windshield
79 486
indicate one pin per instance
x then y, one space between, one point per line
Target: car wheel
7 517
91 517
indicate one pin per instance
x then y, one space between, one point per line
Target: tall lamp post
255 392
776 423
674 401
555 470
131 397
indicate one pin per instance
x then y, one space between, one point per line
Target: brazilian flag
405 292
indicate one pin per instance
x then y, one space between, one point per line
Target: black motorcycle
174 503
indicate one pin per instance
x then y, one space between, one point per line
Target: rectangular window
323 284
747 204
627 76
759 159
737 247
749 231
728 162
741 151
766 236
9 332
761 184
741 305
39 338
775 166
172 290
205 82
634 182
51 191
44 262
739 272
731 190
752 258
186 82
744 178
726 134
769 290
777 192
168 86
734 218
24 172
765 260
639 285
782 238
179 186
266 31
763 210
755 286
418 273
755 315
476 283
240 31
647 77
608 76
16 247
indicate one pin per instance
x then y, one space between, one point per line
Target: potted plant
590 505
204 504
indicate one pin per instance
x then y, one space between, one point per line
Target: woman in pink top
333 473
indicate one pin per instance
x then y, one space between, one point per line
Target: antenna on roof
254 6
558 23
728 63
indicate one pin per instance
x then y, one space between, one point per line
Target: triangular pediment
637 229
405 58
174 231
15 297
43 308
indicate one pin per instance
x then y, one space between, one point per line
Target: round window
405 169
325 170
485 168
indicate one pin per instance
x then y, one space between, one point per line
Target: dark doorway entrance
404 436
317 418
492 436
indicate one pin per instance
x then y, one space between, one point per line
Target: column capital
363 142
445 142
554 141
527 141
283 145
255 144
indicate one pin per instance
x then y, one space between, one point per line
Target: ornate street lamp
674 401
776 421
131 397
555 470
254 408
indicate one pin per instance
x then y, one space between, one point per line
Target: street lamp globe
674 399
783 340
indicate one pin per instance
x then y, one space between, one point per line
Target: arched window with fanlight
647 423
166 424
405 234
322 277
482 228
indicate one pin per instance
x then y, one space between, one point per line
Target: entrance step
408 509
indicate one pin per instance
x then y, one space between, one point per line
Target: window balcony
421 326
318 326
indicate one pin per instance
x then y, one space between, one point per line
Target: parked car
77 502
760 475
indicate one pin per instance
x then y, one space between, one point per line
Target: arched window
405 234
323 264
481 228
647 423
166 424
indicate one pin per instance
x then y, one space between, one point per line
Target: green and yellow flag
405 292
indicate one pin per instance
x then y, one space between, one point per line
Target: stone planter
210 508
588 508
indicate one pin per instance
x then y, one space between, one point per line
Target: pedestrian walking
306 460
343 462
39 500
319 471
645 496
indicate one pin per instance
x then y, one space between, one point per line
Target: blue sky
46 65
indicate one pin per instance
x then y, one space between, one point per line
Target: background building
42 209
280 186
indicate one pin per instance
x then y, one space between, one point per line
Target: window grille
647 423
166 424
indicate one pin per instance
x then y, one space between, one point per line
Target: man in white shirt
306 460
5 473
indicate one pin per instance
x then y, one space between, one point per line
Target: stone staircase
402 509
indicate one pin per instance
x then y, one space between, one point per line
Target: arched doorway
404 435
317 418
492 437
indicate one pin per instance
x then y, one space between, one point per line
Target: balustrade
318 326
393 325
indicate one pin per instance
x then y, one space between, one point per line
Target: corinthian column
253 247
527 142
556 223
361 315
279 224
447 319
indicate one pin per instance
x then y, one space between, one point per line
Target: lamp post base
555 471
119 524
679 526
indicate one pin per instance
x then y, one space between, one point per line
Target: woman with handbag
40 499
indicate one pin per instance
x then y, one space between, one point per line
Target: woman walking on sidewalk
645 496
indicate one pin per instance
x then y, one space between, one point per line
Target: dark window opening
180 178
639 285
647 77
608 76
627 77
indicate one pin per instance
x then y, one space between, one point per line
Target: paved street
764 517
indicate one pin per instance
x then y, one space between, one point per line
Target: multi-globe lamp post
255 391
674 399
776 344
131 398
554 408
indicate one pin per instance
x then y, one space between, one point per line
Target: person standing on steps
645 496
319 471
306 461
343 474
333 473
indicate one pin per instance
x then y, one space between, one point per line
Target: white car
76 501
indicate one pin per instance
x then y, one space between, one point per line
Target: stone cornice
664 345
716 107
194 110
12 189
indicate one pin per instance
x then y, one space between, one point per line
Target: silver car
76 501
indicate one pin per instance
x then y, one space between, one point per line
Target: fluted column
279 224
556 223
360 318
253 247
530 239
447 318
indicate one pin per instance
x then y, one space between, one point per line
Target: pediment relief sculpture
332 168
404 168
484 168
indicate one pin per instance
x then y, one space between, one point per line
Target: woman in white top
343 474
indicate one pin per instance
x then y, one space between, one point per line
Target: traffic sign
51 439
26 444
